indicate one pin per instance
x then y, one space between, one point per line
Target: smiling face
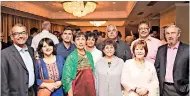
19 35
139 51
90 42
144 30
109 50
47 49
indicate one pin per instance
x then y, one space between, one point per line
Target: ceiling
120 13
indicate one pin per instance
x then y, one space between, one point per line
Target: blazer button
27 83
27 73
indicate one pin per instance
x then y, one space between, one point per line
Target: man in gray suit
17 68
172 64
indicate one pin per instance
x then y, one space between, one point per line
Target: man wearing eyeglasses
152 43
17 69
122 50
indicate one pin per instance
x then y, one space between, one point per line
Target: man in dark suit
172 64
17 68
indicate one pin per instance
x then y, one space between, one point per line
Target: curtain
8 21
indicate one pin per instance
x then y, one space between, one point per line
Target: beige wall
182 21
103 29
176 14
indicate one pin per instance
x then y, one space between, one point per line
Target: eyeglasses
19 33
143 29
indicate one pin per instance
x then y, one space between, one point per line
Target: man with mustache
17 68
172 64
65 47
122 49
152 43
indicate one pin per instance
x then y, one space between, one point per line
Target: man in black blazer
172 64
17 68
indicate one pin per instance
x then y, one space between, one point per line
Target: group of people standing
81 68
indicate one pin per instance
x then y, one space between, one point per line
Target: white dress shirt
43 34
96 54
28 62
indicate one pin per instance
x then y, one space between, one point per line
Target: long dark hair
40 45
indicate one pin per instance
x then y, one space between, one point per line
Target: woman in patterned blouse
50 67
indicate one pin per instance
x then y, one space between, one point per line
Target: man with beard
17 68
65 47
90 46
172 64
122 49
152 43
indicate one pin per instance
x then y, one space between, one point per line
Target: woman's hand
58 84
142 91
50 86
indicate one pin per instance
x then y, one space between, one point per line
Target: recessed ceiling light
60 11
113 2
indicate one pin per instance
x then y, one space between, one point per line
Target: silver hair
46 24
172 25
109 26
17 25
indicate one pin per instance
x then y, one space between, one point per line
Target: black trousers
169 90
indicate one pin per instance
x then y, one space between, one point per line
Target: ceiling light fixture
97 23
79 8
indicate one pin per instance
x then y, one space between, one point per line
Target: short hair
109 26
144 22
67 28
109 42
33 30
17 25
143 44
78 34
96 32
172 25
40 45
91 34
46 24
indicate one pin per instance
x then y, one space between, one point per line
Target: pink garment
171 54
153 45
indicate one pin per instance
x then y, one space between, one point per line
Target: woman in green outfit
78 74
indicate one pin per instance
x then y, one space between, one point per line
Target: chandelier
79 8
97 23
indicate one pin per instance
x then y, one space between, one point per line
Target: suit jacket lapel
165 59
18 57
179 53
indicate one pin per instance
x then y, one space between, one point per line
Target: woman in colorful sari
78 74
49 67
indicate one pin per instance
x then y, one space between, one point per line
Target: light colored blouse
108 79
132 77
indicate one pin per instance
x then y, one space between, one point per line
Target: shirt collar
45 31
175 47
21 49
149 38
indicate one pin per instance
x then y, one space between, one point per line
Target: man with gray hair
122 50
46 26
172 64
17 66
